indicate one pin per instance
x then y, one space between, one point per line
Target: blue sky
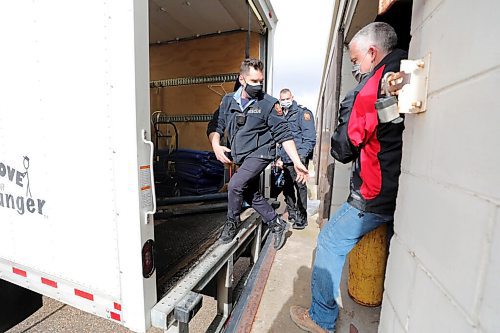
300 47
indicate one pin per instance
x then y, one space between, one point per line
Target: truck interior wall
197 57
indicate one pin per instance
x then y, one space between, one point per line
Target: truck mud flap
16 304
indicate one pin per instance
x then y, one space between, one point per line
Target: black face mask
254 91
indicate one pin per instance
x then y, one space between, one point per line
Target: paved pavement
289 284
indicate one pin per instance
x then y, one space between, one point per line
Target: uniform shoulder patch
278 109
307 116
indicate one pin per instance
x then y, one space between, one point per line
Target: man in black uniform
254 126
301 123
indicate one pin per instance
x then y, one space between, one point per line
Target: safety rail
164 119
190 80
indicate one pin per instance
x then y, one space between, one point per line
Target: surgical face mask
356 70
254 91
286 104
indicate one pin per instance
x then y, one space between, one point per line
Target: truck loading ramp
180 241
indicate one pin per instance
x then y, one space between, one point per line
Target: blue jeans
336 239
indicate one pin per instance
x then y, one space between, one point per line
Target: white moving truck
78 85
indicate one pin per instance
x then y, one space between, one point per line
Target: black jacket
260 127
301 122
375 149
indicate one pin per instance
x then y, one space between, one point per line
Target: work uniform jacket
374 148
254 131
301 122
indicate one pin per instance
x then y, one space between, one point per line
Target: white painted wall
443 271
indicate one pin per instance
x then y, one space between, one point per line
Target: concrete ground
289 284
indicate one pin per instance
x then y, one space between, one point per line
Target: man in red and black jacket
374 148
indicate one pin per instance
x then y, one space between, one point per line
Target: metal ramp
174 311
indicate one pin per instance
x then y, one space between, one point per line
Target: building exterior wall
444 263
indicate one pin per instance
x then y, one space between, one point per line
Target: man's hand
300 168
396 81
302 172
219 150
279 163
219 153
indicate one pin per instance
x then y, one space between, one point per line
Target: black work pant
296 204
244 185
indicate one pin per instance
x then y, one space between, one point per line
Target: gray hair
379 34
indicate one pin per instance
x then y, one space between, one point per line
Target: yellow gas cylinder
367 262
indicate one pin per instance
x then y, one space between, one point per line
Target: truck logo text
22 203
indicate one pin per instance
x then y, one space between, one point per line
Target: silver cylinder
387 109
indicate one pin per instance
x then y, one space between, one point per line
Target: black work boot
230 230
299 225
301 222
292 216
279 229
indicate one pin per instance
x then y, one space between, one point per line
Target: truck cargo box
79 89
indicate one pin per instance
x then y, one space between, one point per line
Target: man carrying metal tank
254 125
373 142
301 122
